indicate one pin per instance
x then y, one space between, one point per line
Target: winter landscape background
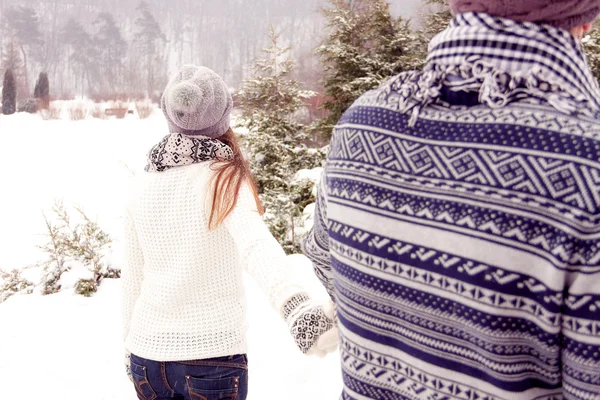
109 48
79 113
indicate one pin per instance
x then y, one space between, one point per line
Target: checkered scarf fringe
504 61
177 150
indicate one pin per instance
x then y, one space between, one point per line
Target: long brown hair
228 181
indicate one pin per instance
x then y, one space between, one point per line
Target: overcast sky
406 8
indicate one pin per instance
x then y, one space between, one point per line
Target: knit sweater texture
183 294
461 241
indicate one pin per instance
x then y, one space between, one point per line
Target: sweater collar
518 49
504 62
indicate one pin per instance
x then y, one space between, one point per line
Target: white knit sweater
183 296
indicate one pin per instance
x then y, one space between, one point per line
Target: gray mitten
309 324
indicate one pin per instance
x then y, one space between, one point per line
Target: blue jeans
224 378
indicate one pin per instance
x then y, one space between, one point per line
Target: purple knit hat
197 102
564 14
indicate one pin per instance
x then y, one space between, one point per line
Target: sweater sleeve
261 255
316 245
132 274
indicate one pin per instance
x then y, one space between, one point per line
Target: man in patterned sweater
457 222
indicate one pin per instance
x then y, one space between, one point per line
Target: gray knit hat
564 14
197 102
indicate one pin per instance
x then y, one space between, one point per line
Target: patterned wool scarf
177 150
504 61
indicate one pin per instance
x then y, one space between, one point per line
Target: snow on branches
276 142
74 243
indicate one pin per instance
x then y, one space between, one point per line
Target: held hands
313 327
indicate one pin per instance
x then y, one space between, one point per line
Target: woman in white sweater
193 224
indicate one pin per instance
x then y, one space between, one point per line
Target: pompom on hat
197 102
564 14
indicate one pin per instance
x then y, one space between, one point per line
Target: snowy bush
53 112
86 287
29 106
144 108
78 110
109 273
13 283
74 242
54 266
118 109
99 111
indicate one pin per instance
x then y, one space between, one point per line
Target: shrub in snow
99 112
86 287
144 108
109 273
29 106
77 110
53 112
118 109
13 283
276 140
82 241
54 266
9 93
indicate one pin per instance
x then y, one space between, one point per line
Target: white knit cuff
282 294
294 305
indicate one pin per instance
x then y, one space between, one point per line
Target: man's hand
312 326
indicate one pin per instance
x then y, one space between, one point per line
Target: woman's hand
312 326
128 365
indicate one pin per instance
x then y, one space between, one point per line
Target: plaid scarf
505 62
177 150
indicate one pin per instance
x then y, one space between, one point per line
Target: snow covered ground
68 347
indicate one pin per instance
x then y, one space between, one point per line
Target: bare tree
23 23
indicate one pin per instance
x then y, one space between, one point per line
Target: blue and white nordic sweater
458 222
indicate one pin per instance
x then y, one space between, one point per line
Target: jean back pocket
213 389
142 385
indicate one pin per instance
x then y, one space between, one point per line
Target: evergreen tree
11 58
42 91
365 46
270 98
112 50
9 94
150 41
437 20
269 101
591 46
